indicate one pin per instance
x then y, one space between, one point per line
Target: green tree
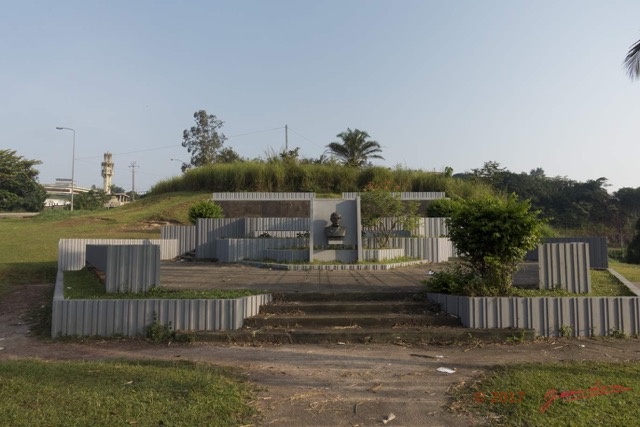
355 150
228 155
205 209
204 140
383 213
117 190
492 235
92 200
19 187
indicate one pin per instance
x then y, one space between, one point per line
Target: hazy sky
438 83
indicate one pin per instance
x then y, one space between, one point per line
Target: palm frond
632 61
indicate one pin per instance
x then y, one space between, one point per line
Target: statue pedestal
335 240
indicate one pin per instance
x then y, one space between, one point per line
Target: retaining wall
132 317
72 252
548 316
185 234
234 250
127 268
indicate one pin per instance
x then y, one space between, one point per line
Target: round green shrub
205 209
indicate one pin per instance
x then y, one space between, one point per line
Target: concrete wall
433 249
185 234
132 317
127 268
234 250
71 252
598 253
565 265
548 316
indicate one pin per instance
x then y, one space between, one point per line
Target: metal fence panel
565 265
210 229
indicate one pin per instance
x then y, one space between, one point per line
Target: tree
117 190
205 209
383 212
355 150
19 187
92 200
228 155
492 235
203 141
632 61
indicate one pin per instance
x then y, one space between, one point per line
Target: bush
205 209
492 235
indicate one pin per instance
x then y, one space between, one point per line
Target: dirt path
322 385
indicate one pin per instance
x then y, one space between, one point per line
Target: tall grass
296 177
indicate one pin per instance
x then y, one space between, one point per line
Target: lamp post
73 162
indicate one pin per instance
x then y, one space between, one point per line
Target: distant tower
107 172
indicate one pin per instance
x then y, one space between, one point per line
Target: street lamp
73 161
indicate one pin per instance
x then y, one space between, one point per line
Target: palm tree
632 61
355 150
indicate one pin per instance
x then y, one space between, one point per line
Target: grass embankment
30 245
558 394
40 393
603 284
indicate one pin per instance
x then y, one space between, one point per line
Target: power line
305 138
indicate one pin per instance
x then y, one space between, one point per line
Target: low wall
132 317
287 255
234 250
185 234
381 254
548 316
432 249
72 252
127 268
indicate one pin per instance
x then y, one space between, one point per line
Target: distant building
59 193
118 199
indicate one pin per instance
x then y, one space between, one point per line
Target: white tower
107 172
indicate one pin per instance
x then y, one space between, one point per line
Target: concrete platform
196 275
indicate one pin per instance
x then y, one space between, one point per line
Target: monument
335 232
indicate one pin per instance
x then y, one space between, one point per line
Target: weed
565 331
617 333
159 332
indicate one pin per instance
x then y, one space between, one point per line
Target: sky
442 83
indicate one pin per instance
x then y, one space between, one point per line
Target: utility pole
286 139
133 167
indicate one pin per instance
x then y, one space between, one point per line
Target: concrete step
364 320
348 307
429 335
349 296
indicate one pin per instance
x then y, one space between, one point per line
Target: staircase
312 318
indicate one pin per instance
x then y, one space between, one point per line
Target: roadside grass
630 271
603 284
144 393
515 395
30 245
83 284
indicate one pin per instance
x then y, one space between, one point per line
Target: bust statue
335 230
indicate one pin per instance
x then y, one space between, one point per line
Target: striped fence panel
432 227
71 252
132 317
598 252
565 265
548 316
408 195
433 249
185 234
262 196
127 268
234 250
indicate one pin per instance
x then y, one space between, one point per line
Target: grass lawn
30 245
149 393
586 393
82 284
630 271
